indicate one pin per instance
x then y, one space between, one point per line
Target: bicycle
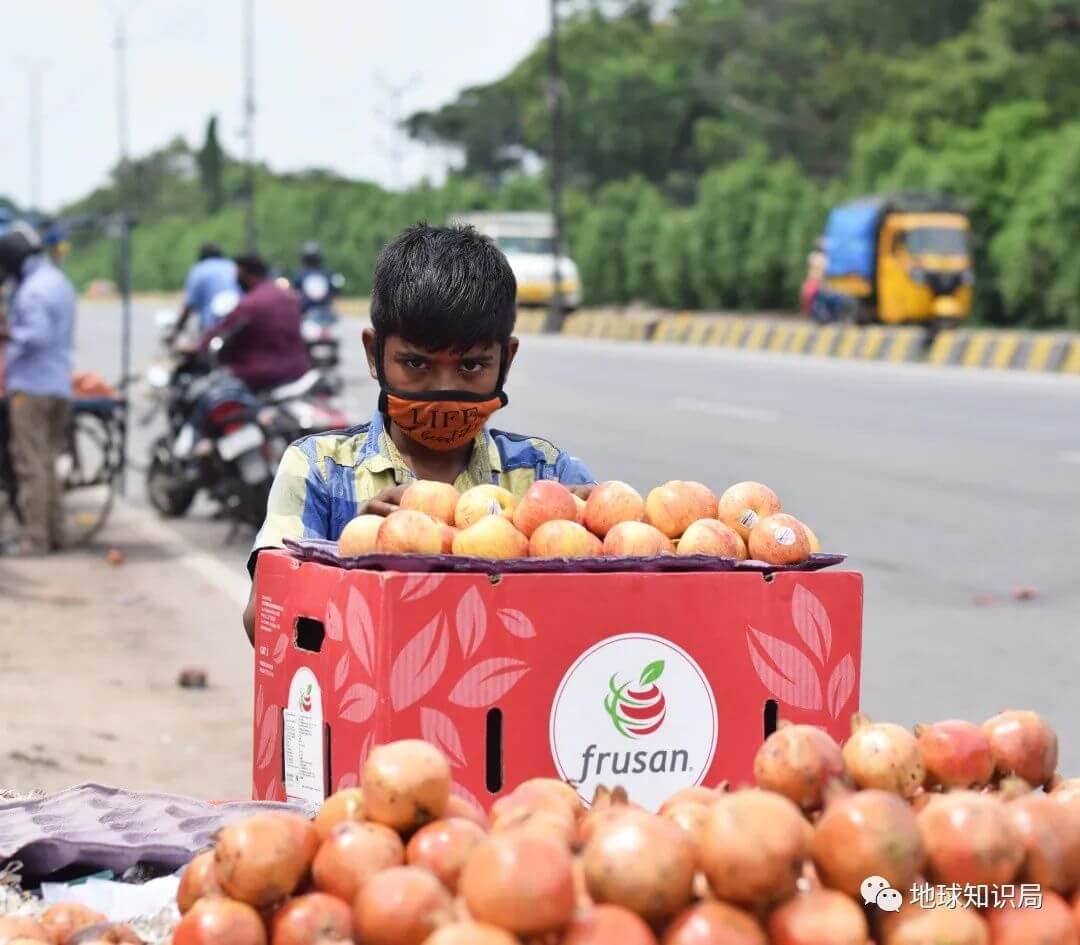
90 469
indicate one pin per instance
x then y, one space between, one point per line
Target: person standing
37 371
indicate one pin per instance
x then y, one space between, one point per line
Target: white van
527 240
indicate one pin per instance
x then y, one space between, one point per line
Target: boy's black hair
443 288
253 265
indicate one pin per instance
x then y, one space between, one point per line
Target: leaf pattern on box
268 729
841 685
812 623
280 648
419 664
360 629
346 781
487 682
260 696
439 729
466 795
784 670
420 585
471 622
365 750
358 703
341 671
333 623
516 623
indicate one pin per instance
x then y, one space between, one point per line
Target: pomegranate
559 788
259 860
1023 743
347 804
310 918
198 881
109 933
690 817
554 826
607 807
1067 789
520 883
970 839
533 797
352 854
607 925
14 927
1050 833
642 862
220 921
470 933
443 847
956 754
714 923
696 794
459 807
1052 923
867 833
401 906
754 847
819 917
884 756
406 784
799 761
1012 787
915 925
63 920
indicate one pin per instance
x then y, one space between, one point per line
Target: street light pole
250 231
125 222
33 69
554 101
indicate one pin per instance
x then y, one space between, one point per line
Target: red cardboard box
652 680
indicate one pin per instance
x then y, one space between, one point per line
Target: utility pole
391 113
33 69
554 102
250 231
122 126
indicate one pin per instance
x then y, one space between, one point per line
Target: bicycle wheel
88 474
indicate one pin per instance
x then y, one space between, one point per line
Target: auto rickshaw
900 259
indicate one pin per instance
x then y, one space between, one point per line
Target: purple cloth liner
326 552
108 828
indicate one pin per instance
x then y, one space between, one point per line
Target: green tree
211 160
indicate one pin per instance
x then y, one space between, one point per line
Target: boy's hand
385 502
582 492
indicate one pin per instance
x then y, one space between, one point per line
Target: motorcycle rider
210 276
311 264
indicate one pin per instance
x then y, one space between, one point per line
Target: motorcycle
321 329
221 438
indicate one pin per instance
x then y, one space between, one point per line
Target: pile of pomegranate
401 860
685 518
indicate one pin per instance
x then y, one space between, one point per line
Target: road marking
731 411
1072 456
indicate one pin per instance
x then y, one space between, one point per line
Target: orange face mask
439 419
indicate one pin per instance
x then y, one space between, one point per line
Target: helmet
210 251
311 253
16 244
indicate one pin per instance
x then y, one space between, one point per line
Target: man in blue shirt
210 278
37 368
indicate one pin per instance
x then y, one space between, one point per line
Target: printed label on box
634 710
305 778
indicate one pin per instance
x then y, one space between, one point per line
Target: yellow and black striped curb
1001 350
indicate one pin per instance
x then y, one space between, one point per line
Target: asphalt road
949 489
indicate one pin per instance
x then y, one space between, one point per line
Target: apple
743 504
437 499
710 504
479 501
673 506
407 531
815 545
449 533
707 536
779 542
358 536
492 536
544 501
610 503
637 540
564 539
579 502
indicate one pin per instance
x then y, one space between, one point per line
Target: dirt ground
90 655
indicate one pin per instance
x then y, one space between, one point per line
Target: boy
443 305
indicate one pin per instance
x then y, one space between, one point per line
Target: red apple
483 500
815 545
437 499
610 503
637 540
409 532
673 506
449 533
358 536
707 536
784 542
579 504
491 537
710 504
564 539
544 501
744 503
